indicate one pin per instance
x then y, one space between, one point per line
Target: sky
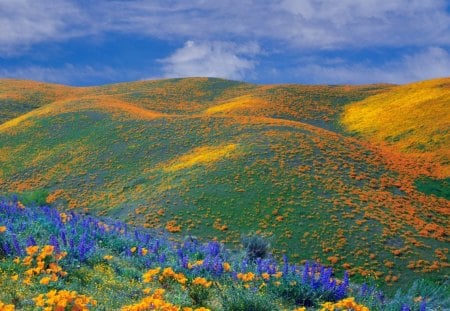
260 41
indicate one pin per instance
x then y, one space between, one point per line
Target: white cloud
211 59
429 63
68 74
25 22
305 24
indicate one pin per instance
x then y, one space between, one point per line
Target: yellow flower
44 280
133 249
226 267
5 307
300 309
148 276
16 260
31 250
265 276
144 251
15 277
278 274
2 229
246 277
107 257
202 282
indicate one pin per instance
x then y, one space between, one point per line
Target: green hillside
216 159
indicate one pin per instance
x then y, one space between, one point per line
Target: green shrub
235 299
256 246
36 197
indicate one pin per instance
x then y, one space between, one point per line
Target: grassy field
217 159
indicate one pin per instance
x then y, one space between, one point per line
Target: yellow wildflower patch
411 118
201 156
239 104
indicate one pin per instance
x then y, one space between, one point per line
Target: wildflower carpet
330 174
51 260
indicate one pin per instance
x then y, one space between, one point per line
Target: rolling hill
333 173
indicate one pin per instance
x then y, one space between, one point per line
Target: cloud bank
212 37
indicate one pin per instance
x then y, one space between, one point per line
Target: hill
412 119
216 158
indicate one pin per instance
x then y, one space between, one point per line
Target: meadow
327 174
52 260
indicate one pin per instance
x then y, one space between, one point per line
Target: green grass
438 187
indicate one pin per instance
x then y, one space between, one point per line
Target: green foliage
256 246
235 299
199 294
438 187
34 198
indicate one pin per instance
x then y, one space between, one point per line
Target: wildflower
226 267
133 249
246 277
346 304
2 229
16 260
278 274
5 307
144 251
265 276
202 282
44 280
15 277
31 250
148 276
107 257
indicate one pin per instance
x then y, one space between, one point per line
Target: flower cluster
201 282
64 300
348 303
6 307
155 301
168 273
43 262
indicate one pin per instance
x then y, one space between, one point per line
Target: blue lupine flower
31 241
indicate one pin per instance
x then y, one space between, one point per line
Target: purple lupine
423 305
363 290
31 241
54 241
185 262
218 266
341 291
285 266
6 248
244 265
213 248
63 237
305 275
16 244
405 308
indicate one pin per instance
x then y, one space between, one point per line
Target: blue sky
286 41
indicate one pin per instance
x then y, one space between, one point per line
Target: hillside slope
217 158
413 119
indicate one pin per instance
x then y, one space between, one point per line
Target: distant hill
217 158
